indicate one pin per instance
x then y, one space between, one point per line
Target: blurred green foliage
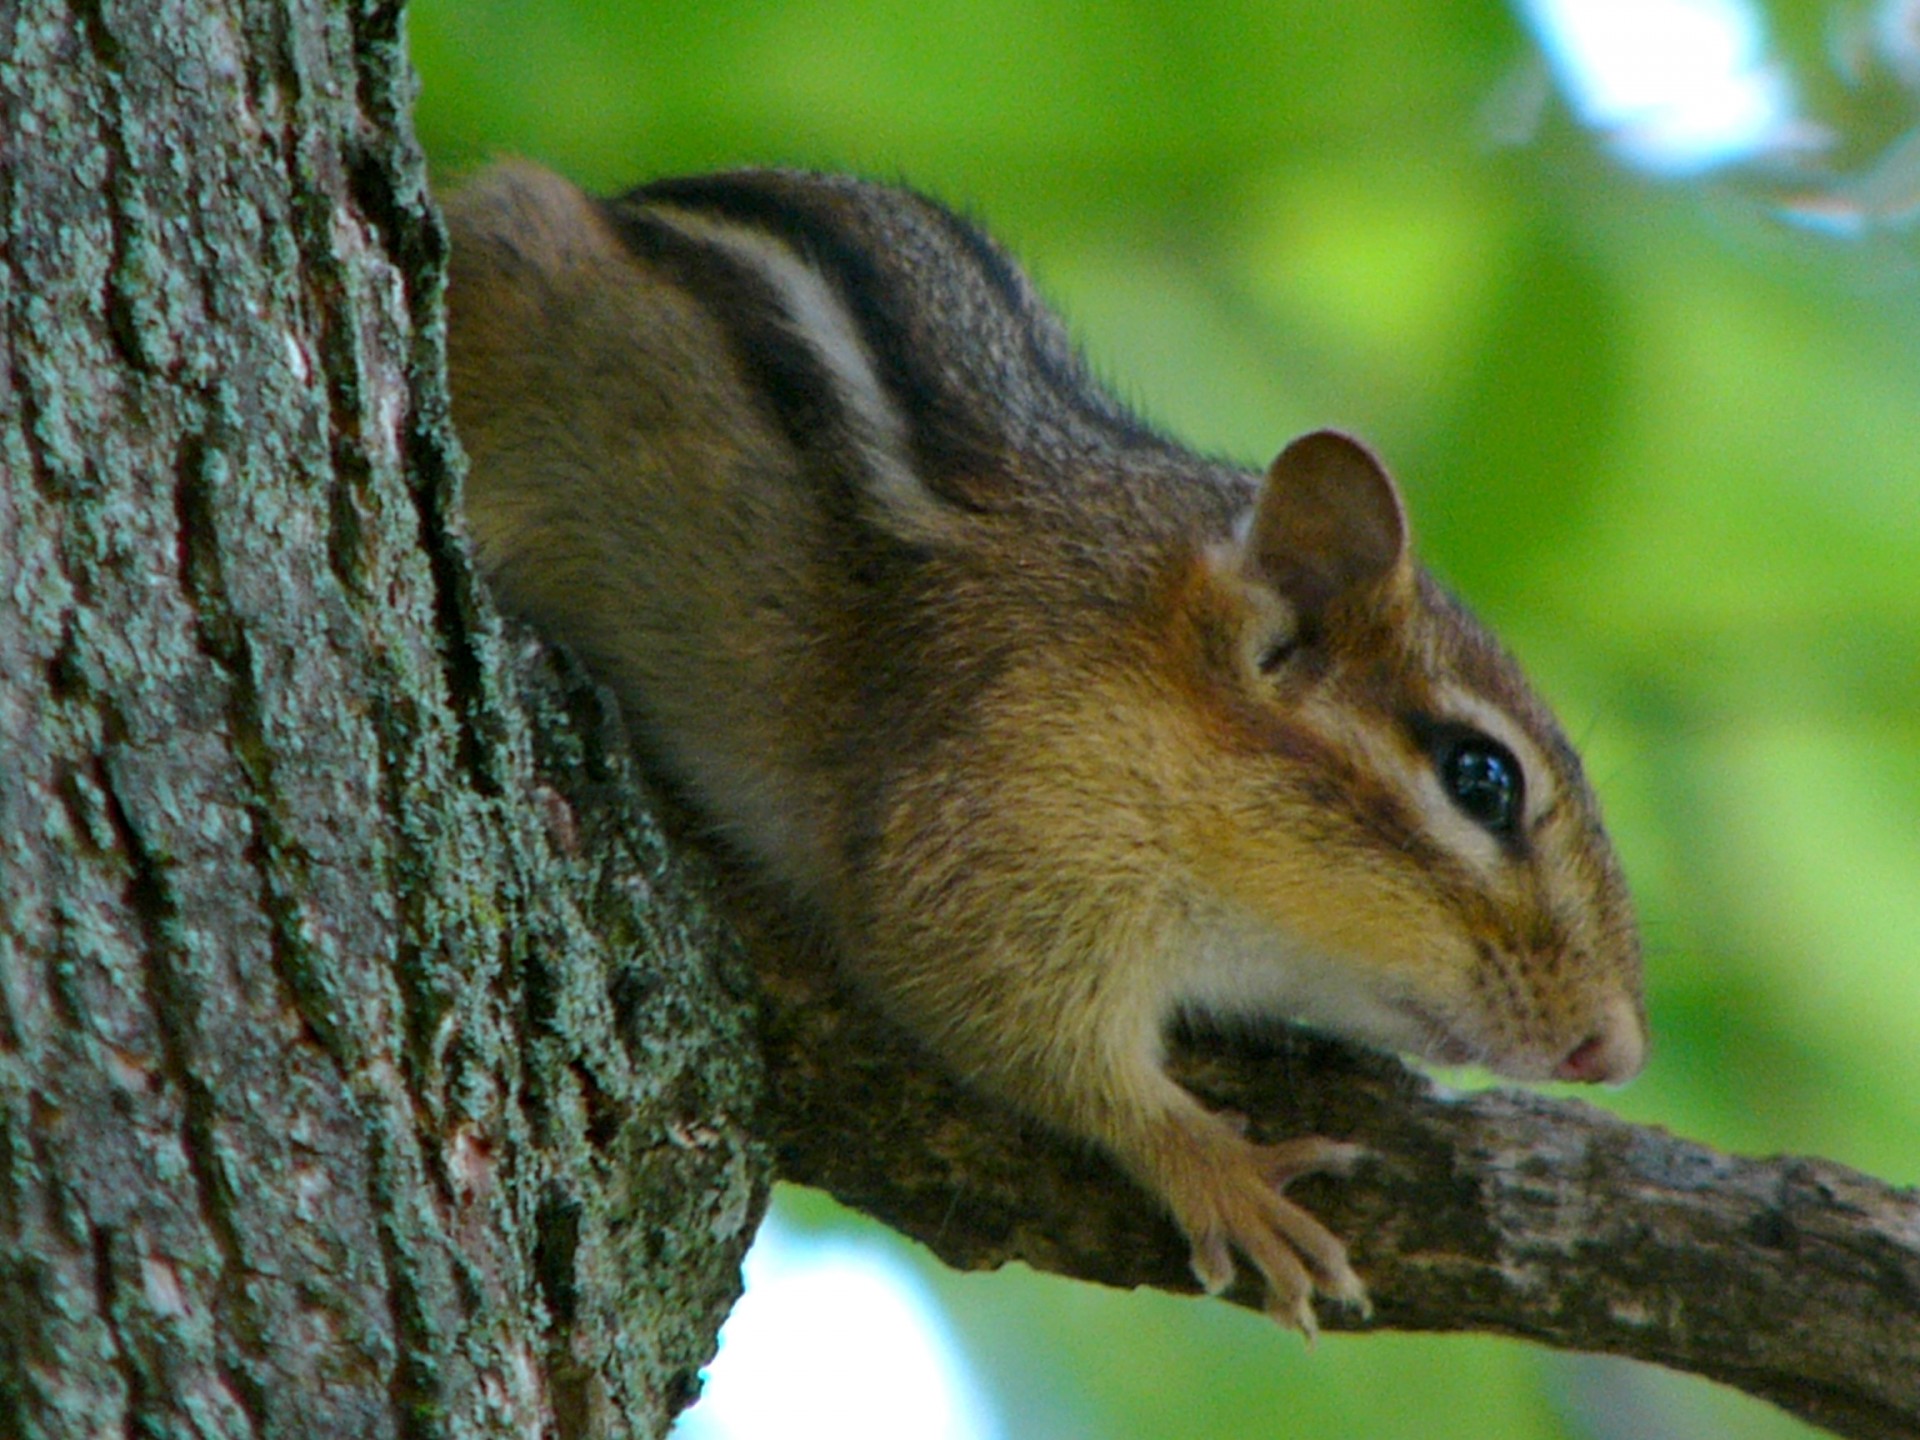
1665 443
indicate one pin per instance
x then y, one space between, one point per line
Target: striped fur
1059 728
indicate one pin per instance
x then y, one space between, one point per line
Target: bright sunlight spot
1678 86
833 1340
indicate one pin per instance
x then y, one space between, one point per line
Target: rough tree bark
369 1063
351 1084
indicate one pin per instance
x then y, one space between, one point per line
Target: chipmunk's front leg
1226 1193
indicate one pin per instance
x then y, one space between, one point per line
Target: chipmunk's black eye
1485 782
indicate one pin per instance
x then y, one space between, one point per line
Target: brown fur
1058 728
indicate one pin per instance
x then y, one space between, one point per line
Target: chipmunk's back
746 388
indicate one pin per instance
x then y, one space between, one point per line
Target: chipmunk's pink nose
1614 1052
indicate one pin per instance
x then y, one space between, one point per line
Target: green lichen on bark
333 1093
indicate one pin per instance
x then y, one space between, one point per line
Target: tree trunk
351 1082
369 1063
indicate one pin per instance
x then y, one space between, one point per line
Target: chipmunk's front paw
1230 1200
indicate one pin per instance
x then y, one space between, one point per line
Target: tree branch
1795 1280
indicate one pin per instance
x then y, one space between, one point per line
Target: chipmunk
1059 729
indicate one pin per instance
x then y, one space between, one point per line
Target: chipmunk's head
1400 840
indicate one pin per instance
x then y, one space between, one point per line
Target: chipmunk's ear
1328 524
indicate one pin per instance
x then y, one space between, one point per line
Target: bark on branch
1793 1279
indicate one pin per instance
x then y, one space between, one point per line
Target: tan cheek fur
1345 888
